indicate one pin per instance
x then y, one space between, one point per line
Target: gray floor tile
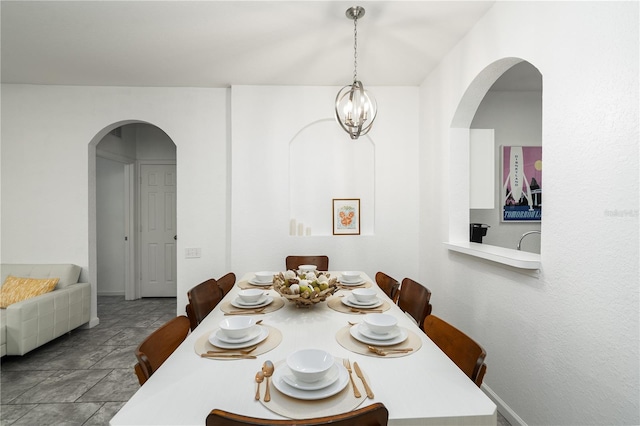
83 377
15 383
65 387
117 386
120 357
59 414
11 413
104 414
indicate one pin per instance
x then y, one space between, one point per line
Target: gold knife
364 382
236 356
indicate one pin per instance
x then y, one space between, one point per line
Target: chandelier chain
355 49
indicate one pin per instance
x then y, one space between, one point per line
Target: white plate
290 379
352 299
348 283
389 342
254 282
251 334
332 389
264 332
366 332
264 301
347 301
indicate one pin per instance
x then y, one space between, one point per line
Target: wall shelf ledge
511 257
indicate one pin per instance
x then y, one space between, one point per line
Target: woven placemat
346 340
202 345
336 304
246 284
228 308
293 408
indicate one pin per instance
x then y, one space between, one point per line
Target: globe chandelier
356 108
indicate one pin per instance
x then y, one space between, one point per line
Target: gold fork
241 352
384 352
347 365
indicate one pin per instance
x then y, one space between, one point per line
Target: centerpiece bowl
305 289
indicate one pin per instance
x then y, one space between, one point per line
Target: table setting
378 335
251 301
311 383
238 337
252 350
359 301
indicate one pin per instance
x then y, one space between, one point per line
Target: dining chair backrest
372 415
293 262
414 299
389 285
226 282
157 347
464 351
202 299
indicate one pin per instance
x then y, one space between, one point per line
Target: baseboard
503 408
110 293
92 323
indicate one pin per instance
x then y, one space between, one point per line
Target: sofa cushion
68 273
17 289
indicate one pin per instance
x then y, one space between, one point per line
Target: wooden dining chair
293 262
464 351
372 415
389 285
202 299
157 347
226 282
414 299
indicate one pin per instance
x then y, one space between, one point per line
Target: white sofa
26 325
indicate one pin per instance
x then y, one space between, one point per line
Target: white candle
292 227
300 229
308 231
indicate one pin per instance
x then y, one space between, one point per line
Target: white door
158 230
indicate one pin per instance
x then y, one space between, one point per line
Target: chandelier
356 108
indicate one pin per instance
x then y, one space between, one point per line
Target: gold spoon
259 379
267 369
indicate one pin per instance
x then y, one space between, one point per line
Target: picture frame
346 216
521 184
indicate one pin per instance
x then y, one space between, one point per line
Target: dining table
421 386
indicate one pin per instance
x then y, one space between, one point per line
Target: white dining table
422 388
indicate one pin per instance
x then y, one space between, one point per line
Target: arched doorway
460 170
132 189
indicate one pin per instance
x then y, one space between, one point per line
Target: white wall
46 171
562 344
264 122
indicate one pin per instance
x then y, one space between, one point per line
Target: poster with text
521 183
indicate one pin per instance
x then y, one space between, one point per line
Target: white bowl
250 295
380 323
264 276
307 268
351 275
237 327
364 295
310 365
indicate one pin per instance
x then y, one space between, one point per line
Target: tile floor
84 377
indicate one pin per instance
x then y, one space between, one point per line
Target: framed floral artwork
346 216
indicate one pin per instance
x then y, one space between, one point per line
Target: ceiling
224 43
